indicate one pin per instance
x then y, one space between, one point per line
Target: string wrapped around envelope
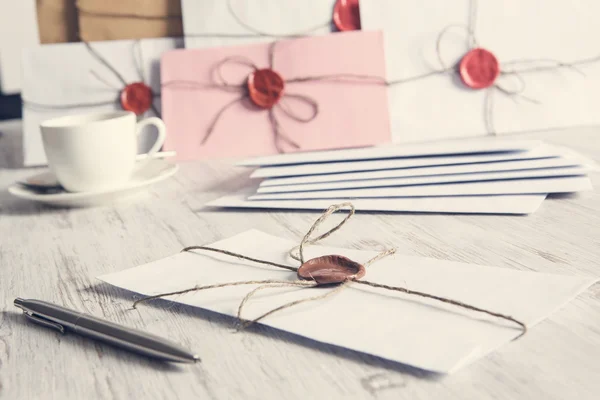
136 96
479 69
345 17
330 273
265 88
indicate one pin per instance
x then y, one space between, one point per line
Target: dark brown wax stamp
331 269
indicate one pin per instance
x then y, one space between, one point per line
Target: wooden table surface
55 255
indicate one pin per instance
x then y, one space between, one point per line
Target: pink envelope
346 107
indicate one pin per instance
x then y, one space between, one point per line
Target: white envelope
440 106
543 151
447 147
60 75
427 180
424 333
207 23
465 169
509 186
504 204
18 30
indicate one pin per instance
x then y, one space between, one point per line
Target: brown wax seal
479 69
136 97
331 269
265 87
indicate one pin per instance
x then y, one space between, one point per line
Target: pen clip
45 322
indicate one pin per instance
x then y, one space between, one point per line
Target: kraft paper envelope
522 34
509 186
444 170
441 148
502 204
18 31
58 80
213 23
423 333
429 180
349 112
543 151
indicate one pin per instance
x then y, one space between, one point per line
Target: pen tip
197 359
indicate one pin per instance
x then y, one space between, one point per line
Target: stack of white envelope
482 176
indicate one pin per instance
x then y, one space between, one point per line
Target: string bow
332 273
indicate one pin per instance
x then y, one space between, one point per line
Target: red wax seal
136 97
346 15
331 269
479 69
265 87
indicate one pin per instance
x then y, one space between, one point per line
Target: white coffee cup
94 152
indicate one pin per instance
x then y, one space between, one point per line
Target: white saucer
154 171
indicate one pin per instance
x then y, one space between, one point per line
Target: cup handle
160 140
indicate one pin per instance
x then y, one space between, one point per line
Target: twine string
297 253
215 286
212 125
472 25
246 323
279 136
556 65
445 68
513 94
438 46
193 85
307 240
343 78
241 257
516 94
105 62
272 55
104 81
217 70
444 300
262 33
488 110
287 110
137 59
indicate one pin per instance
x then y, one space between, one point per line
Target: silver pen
65 320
